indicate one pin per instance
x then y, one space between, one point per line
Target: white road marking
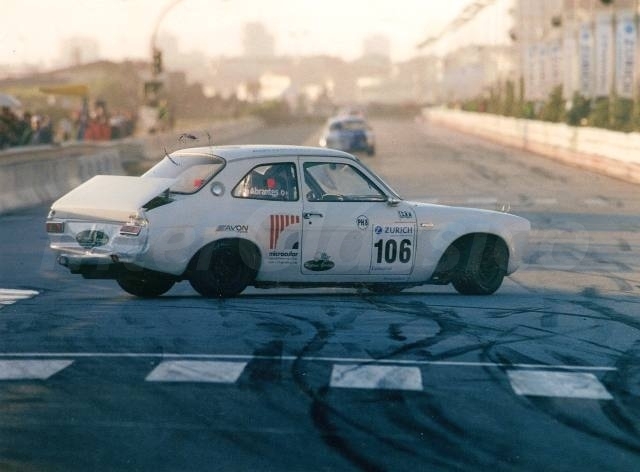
376 377
352 360
31 369
197 371
365 374
558 384
10 296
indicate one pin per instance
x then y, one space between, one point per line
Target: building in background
473 71
376 45
475 51
78 50
588 47
257 41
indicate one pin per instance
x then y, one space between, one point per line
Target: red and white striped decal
278 224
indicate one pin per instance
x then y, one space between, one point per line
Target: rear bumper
96 266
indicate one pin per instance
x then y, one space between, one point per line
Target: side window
269 182
328 181
194 178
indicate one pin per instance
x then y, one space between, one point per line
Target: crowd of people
24 129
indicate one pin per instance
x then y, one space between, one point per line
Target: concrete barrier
29 177
36 174
608 152
223 132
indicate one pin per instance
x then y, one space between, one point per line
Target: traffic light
152 92
157 62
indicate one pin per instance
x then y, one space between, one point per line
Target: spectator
98 127
8 126
42 132
65 129
25 132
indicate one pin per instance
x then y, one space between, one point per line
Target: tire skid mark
325 416
321 411
621 416
626 392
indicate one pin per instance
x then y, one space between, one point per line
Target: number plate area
393 248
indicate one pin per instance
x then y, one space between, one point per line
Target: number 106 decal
391 251
393 248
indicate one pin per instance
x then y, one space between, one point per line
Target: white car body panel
440 225
109 197
300 241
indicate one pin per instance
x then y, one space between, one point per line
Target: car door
267 200
348 225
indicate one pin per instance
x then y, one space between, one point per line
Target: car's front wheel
224 268
145 284
484 268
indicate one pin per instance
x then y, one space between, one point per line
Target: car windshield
191 170
381 182
349 125
354 125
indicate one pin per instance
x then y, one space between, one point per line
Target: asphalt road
543 375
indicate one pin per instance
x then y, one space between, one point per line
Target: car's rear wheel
145 284
484 267
224 268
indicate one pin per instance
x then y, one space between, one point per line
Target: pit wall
33 175
607 152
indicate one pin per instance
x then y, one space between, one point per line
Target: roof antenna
169 157
184 136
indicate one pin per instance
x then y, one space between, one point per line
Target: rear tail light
130 230
134 226
55 227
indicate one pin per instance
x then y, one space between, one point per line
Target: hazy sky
31 30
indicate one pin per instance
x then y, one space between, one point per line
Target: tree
509 104
554 109
599 116
579 111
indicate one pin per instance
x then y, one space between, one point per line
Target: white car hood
109 197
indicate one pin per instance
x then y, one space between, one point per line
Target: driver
278 182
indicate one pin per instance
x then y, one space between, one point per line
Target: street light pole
156 53
154 113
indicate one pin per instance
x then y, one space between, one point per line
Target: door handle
308 215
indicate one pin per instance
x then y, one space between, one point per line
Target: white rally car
227 217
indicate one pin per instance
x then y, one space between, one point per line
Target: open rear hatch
109 197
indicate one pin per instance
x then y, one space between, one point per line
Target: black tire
484 267
146 284
224 268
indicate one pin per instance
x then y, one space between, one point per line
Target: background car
348 133
227 217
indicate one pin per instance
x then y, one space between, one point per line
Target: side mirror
393 201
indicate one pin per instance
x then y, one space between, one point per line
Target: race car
227 217
349 133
